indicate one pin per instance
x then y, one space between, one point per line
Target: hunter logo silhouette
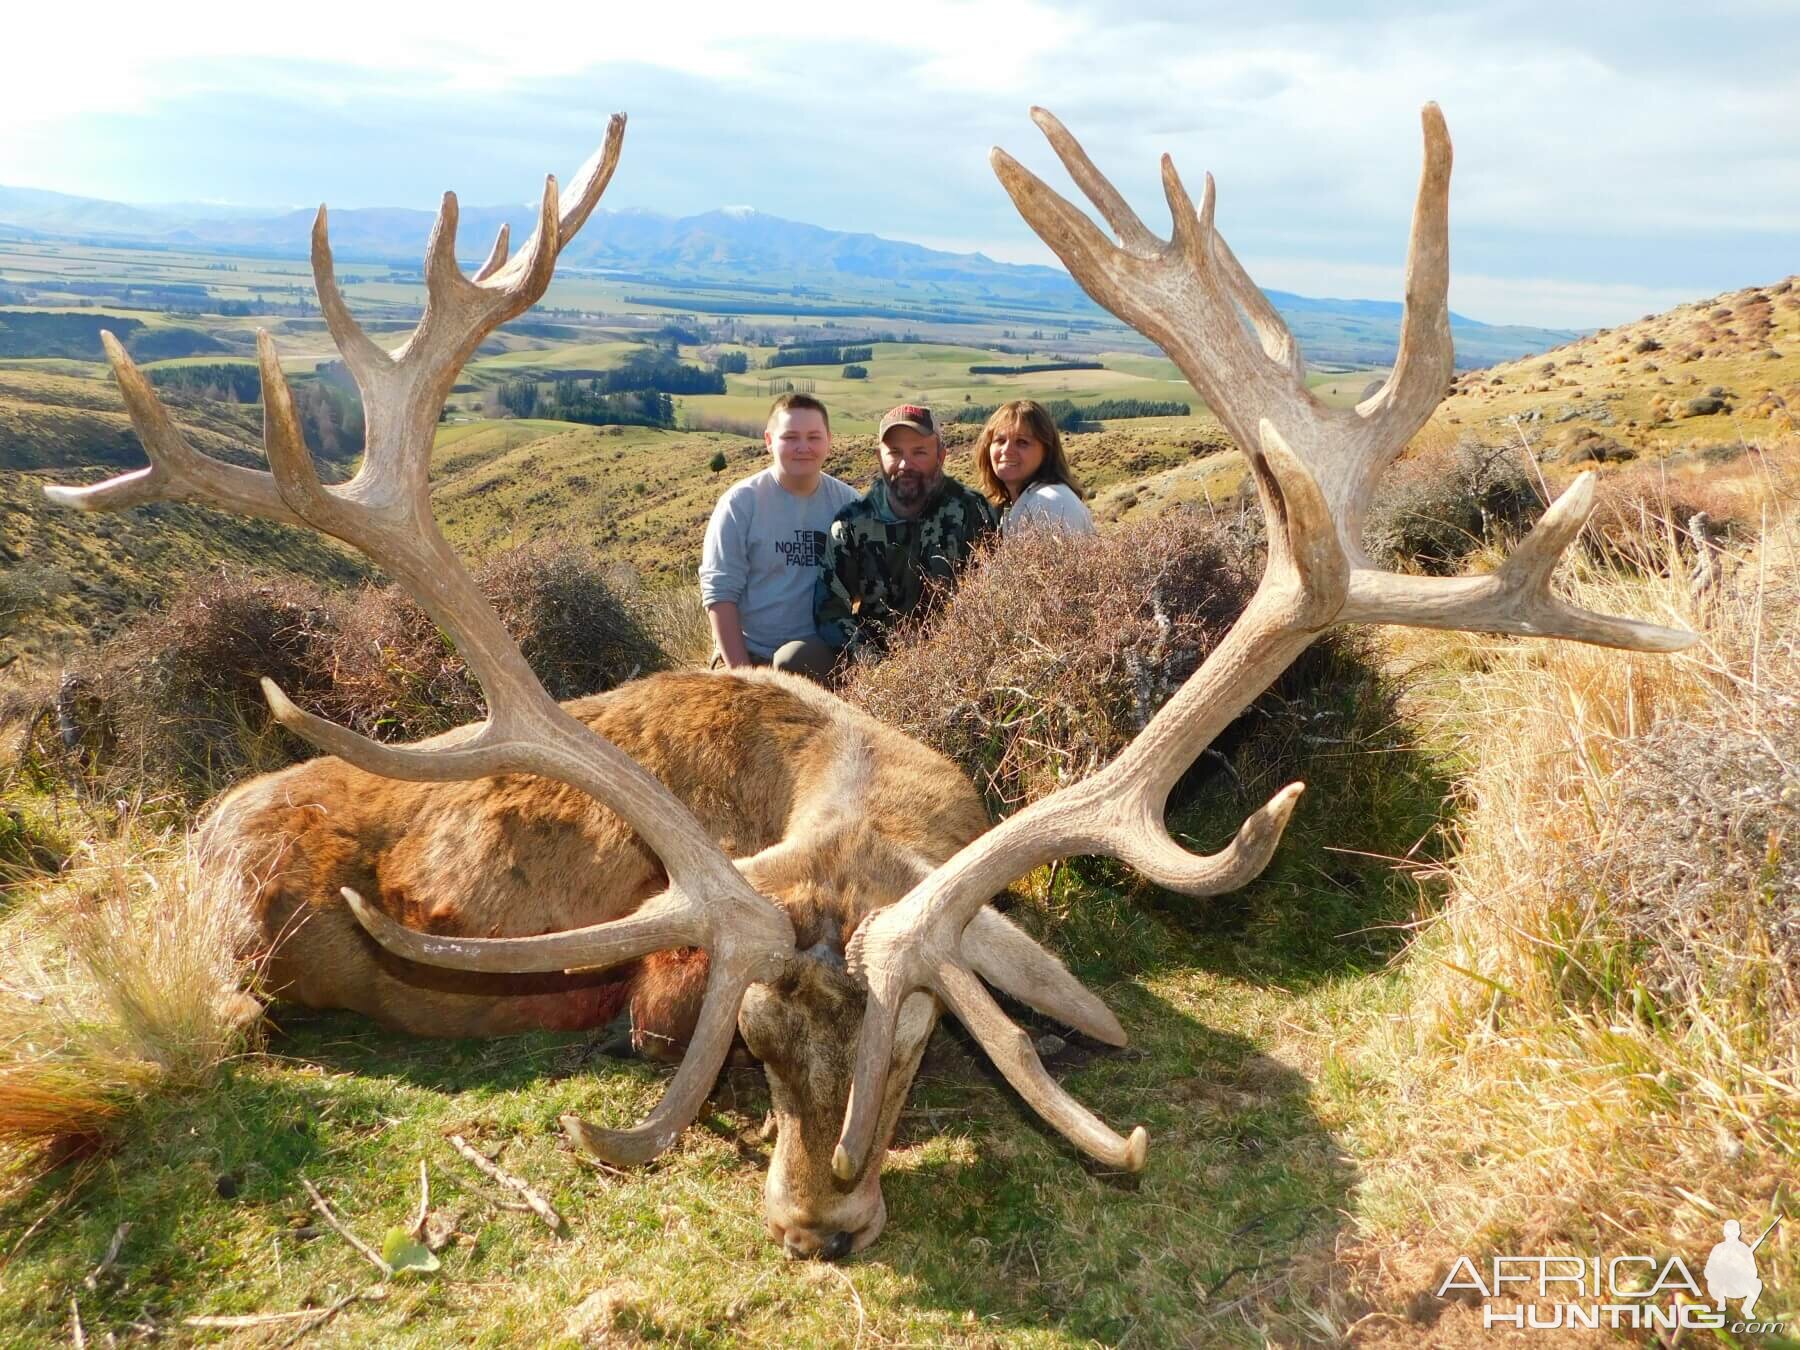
1731 1268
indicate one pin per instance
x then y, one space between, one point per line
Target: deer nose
800 1244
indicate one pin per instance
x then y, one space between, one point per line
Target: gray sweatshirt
763 550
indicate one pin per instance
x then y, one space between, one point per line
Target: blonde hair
1034 418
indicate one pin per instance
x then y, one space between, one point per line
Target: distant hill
736 246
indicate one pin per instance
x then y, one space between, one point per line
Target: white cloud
1602 149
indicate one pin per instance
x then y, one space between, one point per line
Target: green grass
562 356
939 375
996 1227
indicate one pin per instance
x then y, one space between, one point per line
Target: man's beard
909 489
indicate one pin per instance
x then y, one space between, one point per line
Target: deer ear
780 864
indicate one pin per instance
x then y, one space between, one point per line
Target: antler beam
1315 469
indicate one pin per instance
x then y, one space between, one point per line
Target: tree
856 372
717 462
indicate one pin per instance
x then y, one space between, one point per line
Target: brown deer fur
758 757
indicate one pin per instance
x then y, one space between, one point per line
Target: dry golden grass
123 976
1605 1016
675 619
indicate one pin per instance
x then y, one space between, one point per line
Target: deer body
761 759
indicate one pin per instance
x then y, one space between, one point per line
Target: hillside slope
1705 374
1712 372
67 577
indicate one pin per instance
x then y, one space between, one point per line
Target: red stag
748 855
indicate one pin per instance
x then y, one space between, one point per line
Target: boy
766 542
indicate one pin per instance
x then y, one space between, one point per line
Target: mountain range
729 246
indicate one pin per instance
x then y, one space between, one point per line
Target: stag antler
1316 469
385 511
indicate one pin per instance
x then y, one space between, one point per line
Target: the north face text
805 549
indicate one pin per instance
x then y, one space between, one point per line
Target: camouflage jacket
878 566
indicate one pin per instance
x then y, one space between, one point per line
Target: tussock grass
1645 518
123 977
1605 1015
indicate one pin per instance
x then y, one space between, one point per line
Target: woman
1024 472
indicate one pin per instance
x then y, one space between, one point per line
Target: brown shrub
173 702
1435 508
395 676
1644 519
1054 652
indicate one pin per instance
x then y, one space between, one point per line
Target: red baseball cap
913 415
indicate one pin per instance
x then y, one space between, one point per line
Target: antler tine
589 183
660 923
444 279
686 1093
177 471
291 463
1198 237
365 359
1426 361
1071 235
1277 339
1133 234
1515 599
1002 954
496 258
1016 1057
889 981
1193 229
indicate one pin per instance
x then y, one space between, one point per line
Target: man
915 526
765 544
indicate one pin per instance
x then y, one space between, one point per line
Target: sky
1611 159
